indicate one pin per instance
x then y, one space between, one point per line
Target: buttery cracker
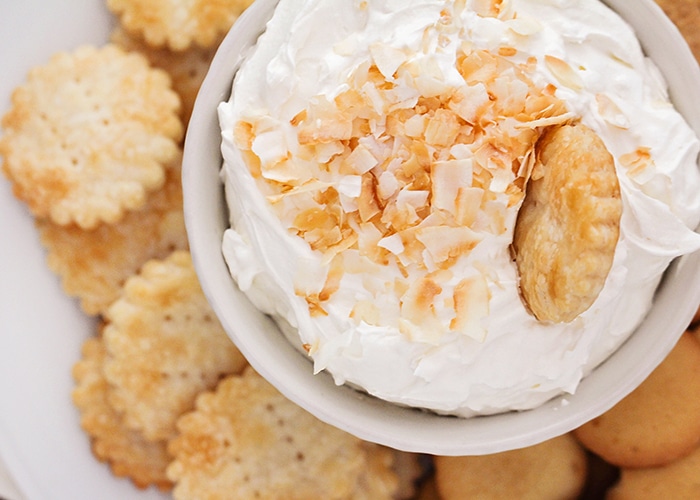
554 469
89 135
678 480
569 223
94 264
178 24
246 440
126 451
165 345
659 421
187 68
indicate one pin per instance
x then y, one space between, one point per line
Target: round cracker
678 480
568 225
95 264
659 421
178 24
165 346
89 134
127 452
187 68
554 469
245 440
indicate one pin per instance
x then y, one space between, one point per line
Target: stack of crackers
92 145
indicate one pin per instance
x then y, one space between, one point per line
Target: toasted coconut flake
486 8
447 178
392 243
269 142
387 58
366 311
469 102
418 312
610 112
446 244
314 218
495 212
419 298
471 303
361 160
637 161
387 185
348 239
415 126
243 135
326 239
368 206
547 122
349 188
315 308
286 171
478 66
510 93
507 51
310 186
563 72
333 278
468 204
427 77
308 280
442 128
525 26
325 151
323 124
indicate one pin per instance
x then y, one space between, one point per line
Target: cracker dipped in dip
461 206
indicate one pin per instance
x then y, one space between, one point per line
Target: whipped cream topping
410 292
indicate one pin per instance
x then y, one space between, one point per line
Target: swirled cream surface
375 158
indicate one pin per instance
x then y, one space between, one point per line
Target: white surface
369 418
41 330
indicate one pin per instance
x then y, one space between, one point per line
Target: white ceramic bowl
369 418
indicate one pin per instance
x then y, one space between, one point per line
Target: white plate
41 330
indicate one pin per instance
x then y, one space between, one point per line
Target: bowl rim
365 416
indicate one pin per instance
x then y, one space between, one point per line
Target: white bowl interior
369 418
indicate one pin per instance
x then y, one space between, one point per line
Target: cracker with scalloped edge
126 451
165 346
187 68
89 135
94 264
178 24
246 440
553 469
568 225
